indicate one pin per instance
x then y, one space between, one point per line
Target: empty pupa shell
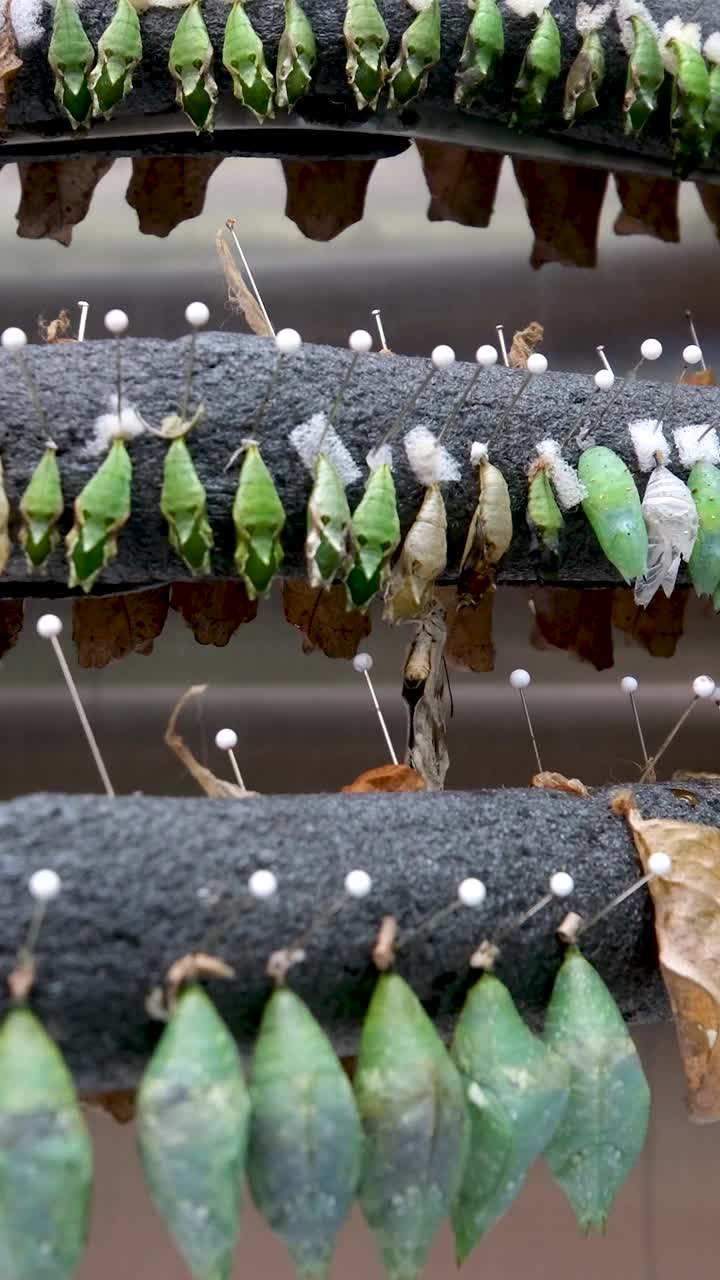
192 1122
259 517
306 1144
376 530
421 561
704 564
490 532
46 1162
613 508
517 1089
602 1133
415 1121
41 506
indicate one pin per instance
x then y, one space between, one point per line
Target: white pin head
442 357
116 322
561 884
358 884
703 687
629 684
287 342
197 314
519 679
692 354
48 625
604 379
262 885
44 885
360 341
651 349
486 356
13 339
660 864
537 363
226 739
363 662
472 892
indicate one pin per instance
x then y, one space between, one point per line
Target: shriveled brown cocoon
574 620
213 610
11 624
462 182
324 619
470 644
324 197
108 628
57 330
426 692
548 781
10 62
524 343
699 377
649 207
240 298
657 628
564 203
709 193
167 190
687 925
120 1104
386 777
55 196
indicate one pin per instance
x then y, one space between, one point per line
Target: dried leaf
167 190
427 694
462 182
11 624
563 203
240 298
659 627
324 619
687 775
108 628
548 781
709 193
213 610
574 620
10 63
386 777
56 330
687 924
324 197
699 377
55 196
470 634
216 788
649 207
524 343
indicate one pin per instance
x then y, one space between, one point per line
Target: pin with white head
692 355
500 331
470 894
694 337
116 322
486 358
604 381
629 685
441 358
536 365
231 223
573 926
14 341
703 688
226 740
49 628
287 343
357 886
384 348
197 316
262 885
360 343
82 323
650 351
44 887
363 664
520 681
604 361
560 886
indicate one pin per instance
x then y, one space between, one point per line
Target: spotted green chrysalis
712 115
183 500
540 66
602 1133
366 38
297 55
190 65
192 1124
376 531
259 517
101 510
484 45
119 53
517 1092
704 563
585 78
690 102
613 508
415 1121
244 59
329 545
41 506
419 51
545 519
71 56
46 1162
645 76
306 1143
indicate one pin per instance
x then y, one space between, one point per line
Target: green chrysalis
244 59
540 67
585 78
613 508
376 531
690 102
46 1162
366 38
413 1111
259 517
119 53
545 519
183 500
600 1138
297 55
419 51
101 510
71 56
5 543
704 563
190 65
192 1120
484 45
712 115
306 1143
645 76
41 506
517 1090
329 545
